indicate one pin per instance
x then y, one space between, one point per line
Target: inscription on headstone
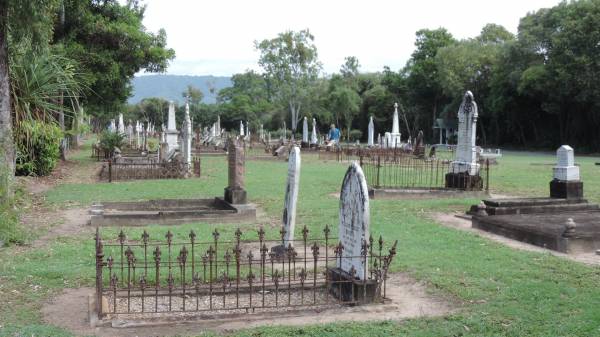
354 220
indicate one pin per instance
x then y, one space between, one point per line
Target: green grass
501 291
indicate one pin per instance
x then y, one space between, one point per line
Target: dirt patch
451 220
72 223
409 299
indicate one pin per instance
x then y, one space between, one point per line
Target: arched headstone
354 220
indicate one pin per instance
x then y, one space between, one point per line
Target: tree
110 42
291 67
350 67
421 71
7 158
344 102
194 94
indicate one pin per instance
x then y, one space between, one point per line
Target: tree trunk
7 147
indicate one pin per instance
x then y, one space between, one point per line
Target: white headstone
305 130
395 140
291 195
313 135
218 128
466 150
172 133
565 169
121 124
371 132
187 136
354 220
242 128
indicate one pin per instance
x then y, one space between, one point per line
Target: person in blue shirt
334 136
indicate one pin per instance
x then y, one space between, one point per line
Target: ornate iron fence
151 276
412 172
150 170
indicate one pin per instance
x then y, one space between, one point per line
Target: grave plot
564 222
391 173
233 207
152 278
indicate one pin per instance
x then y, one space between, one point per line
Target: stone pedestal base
566 189
235 195
349 290
463 181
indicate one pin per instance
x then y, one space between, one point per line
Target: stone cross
305 130
466 150
371 132
565 169
354 221
234 192
313 135
291 196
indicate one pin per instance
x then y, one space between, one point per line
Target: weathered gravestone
171 133
235 192
464 170
291 199
351 279
305 132
565 183
313 135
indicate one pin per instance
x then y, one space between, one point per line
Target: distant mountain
170 87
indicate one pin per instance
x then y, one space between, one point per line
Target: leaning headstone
291 199
354 221
464 170
235 192
566 183
371 138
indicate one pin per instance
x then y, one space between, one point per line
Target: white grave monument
305 131
371 133
565 169
187 136
241 128
313 135
172 133
354 221
121 124
466 151
395 140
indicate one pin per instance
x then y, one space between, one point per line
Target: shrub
110 140
38 147
355 135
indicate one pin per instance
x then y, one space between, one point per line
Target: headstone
242 133
565 168
395 140
291 196
187 136
566 183
354 220
235 192
466 151
305 131
371 132
284 132
379 141
218 127
172 133
419 147
313 136
121 124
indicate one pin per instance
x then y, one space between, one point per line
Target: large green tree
291 66
111 44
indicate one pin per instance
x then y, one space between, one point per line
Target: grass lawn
502 291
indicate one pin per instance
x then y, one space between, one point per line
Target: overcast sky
216 37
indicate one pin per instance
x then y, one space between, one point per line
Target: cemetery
372 171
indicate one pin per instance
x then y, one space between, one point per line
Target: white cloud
217 37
